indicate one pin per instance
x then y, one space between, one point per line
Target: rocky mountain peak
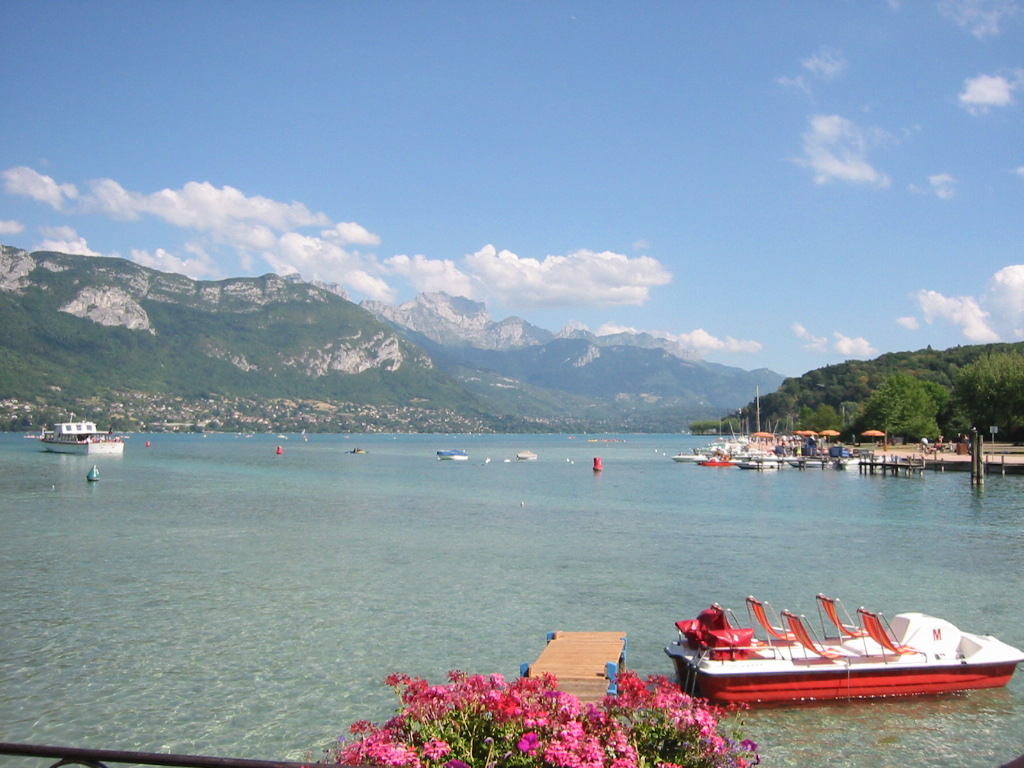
456 321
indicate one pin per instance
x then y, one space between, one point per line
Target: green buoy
94 474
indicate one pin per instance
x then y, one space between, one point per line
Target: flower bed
478 721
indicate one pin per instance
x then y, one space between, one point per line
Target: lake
209 596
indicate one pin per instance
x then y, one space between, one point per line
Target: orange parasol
762 434
829 433
873 433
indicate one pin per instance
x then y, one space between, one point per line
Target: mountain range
80 327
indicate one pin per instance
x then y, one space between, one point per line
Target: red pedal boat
721 462
718 659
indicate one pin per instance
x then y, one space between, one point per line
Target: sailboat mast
757 400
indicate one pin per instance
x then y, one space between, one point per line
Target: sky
783 185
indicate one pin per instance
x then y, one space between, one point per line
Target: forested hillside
847 396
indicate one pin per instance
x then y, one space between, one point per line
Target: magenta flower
529 742
481 720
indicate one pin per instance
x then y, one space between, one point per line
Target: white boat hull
106 448
689 458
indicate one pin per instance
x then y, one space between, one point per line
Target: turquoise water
208 596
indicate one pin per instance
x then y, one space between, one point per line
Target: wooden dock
892 465
586 664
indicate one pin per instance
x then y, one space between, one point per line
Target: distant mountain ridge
455 321
84 327
640 369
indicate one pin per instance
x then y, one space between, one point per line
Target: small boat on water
760 464
452 455
718 461
720 660
690 458
81 437
526 456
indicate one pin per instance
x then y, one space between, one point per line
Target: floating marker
94 474
598 464
280 450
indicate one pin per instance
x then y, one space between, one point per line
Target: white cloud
29 183
825 64
982 18
836 149
963 311
199 267
583 278
350 233
997 316
65 240
431 275
982 93
943 185
703 341
317 259
850 347
698 340
846 346
1019 170
251 225
797 82
11 227
812 343
1005 297
909 323
200 206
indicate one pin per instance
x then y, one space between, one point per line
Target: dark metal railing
99 758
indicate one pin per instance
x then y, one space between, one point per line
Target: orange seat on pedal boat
830 605
803 636
757 608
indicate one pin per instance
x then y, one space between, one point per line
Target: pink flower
435 749
529 723
529 742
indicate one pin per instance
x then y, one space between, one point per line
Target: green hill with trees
910 395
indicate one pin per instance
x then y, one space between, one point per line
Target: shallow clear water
208 596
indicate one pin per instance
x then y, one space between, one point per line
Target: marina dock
586 664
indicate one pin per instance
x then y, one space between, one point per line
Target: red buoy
280 450
598 466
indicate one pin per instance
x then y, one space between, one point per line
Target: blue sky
785 185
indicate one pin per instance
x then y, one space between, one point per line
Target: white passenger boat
917 654
81 437
452 455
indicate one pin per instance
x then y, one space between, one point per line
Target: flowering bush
478 721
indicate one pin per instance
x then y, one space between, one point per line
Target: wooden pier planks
584 663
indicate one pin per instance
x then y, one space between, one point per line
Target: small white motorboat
696 457
452 455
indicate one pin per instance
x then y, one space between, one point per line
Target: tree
990 391
903 407
822 418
